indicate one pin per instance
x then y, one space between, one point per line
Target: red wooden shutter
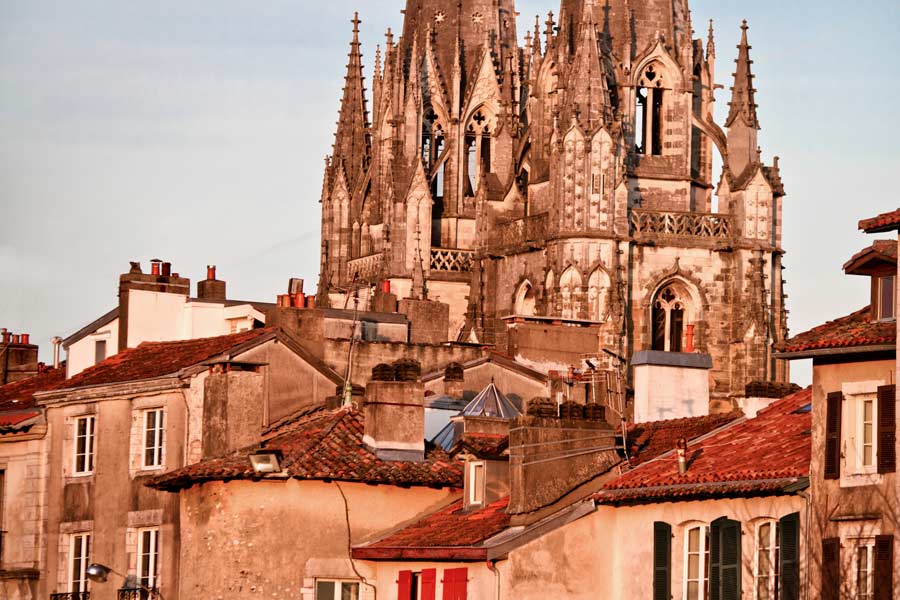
884 567
831 569
429 581
404 590
887 429
455 583
833 435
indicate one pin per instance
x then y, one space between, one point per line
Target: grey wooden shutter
662 561
789 542
715 565
730 563
884 567
833 435
887 429
831 569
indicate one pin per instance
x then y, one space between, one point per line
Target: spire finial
742 94
549 31
710 42
356 23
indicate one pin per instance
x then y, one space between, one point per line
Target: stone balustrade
686 224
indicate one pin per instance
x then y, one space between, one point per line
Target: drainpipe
808 499
492 567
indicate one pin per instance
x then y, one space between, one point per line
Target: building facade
564 182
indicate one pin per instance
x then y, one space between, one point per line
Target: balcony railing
686 224
71 596
451 260
519 234
138 594
365 267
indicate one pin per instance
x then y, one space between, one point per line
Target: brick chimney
18 357
160 280
211 288
395 414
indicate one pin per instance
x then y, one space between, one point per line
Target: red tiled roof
157 359
482 445
885 250
854 330
646 441
324 445
449 534
758 456
20 395
883 222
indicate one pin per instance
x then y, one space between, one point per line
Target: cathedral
560 187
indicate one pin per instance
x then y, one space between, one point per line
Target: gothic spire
742 103
351 141
590 86
710 43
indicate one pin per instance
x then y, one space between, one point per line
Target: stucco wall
81 354
245 539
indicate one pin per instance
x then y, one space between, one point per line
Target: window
648 113
99 351
419 585
336 590
79 559
724 559
696 563
154 428
476 483
865 571
84 445
668 321
886 302
768 559
148 557
866 432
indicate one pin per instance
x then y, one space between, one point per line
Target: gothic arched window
525 300
648 112
477 148
668 320
570 293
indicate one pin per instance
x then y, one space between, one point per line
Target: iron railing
138 594
71 596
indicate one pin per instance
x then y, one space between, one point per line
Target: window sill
78 478
860 479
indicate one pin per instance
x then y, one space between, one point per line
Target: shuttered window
429 580
831 569
833 435
404 585
662 559
788 582
887 429
884 567
725 560
455 583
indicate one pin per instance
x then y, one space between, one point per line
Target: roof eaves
103 390
573 512
91 327
683 492
817 352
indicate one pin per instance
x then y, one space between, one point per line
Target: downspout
493 568
808 500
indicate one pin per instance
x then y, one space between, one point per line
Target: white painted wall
663 392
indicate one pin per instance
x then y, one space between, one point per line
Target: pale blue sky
195 131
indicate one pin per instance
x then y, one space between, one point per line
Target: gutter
653 494
835 351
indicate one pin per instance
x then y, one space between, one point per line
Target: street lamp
100 573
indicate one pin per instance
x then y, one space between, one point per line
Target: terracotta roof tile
449 534
854 330
755 456
649 440
482 445
884 250
157 359
20 395
883 222
324 445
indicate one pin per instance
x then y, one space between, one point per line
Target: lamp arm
140 585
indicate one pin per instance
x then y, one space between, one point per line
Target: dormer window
476 483
886 298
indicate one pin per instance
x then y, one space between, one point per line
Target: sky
195 131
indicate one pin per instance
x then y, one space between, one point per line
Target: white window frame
773 550
150 578
90 443
153 440
476 491
84 557
703 558
853 472
338 585
867 546
861 402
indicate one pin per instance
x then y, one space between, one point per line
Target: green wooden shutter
789 542
662 559
831 569
730 562
715 564
884 567
833 435
887 429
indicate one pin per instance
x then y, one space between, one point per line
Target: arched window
598 295
525 299
648 112
766 567
570 292
477 149
668 315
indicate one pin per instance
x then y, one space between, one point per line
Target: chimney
159 281
395 413
5 334
56 341
681 451
25 338
167 269
454 380
670 385
155 267
211 288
